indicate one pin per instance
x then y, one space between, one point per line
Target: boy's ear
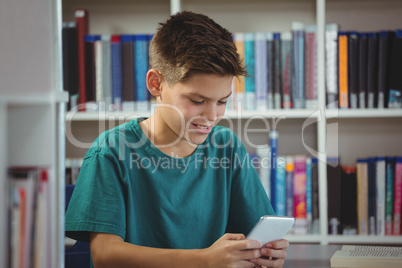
154 82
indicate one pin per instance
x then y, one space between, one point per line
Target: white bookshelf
32 108
348 133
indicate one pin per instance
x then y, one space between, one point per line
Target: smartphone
271 228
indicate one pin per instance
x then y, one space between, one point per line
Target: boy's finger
283 243
229 236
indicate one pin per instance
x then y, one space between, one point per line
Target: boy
163 191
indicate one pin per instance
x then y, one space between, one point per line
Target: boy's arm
109 250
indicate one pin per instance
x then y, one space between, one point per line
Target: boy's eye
222 102
197 102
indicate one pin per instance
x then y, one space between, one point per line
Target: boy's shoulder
223 136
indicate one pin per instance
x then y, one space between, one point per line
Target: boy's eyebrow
206 98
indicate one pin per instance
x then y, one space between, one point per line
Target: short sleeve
97 203
248 201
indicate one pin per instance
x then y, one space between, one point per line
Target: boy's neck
165 139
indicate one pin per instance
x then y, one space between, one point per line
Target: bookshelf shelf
360 239
34 99
364 113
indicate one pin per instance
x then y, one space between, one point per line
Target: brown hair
190 43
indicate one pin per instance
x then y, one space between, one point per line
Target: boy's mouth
204 129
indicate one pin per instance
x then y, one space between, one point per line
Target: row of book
366 199
362 69
367 66
30 221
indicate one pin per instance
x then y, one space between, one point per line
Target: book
90 70
82 23
372 73
249 103
273 141
315 196
348 200
309 195
353 69
362 196
286 65
331 64
311 66
260 47
117 72
395 87
380 195
372 195
277 71
397 197
270 70
363 69
106 70
141 69
384 59
299 195
128 102
70 63
298 65
280 202
240 82
264 154
334 196
367 256
289 185
343 69
389 194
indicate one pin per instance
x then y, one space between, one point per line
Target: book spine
98 72
311 66
273 139
240 84
395 92
298 61
316 197
82 21
309 195
353 69
141 69
270 70
250 67
389 195
382 68
372 74
343 69
397 196
117 72
334 196
128 72
299 195
286 62
289 186
363 69
264 155
348 201
107 70
277 71
280 202
380 195
362 197
331 64
90 68
261 71
372 200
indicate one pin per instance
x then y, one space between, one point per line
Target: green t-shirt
128 187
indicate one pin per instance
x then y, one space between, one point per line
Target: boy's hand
273 254
232 250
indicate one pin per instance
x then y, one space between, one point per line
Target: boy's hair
190 43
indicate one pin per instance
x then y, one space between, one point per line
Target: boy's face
190 109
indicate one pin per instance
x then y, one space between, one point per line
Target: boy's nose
210 113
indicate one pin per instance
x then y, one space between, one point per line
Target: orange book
343 70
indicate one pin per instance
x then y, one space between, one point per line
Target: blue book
280 202
250 67
141 68
372 200
117 72
273 139
298 65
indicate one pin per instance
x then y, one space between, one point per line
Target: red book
82 22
